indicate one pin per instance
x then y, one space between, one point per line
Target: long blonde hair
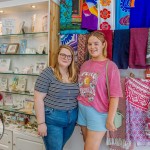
101 37
72 69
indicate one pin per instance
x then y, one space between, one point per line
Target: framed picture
12 48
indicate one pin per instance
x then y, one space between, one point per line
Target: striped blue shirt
62 96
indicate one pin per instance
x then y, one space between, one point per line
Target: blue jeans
60 126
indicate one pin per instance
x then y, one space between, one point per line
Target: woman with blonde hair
97 109
55 97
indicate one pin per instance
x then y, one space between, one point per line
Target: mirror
1 125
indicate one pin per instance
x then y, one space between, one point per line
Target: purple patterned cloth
137 99
71 40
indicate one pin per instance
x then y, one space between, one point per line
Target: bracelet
41 123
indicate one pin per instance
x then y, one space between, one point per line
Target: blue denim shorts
92 119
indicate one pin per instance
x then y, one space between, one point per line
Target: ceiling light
33 6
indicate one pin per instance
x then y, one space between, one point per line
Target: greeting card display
8 99
23 46
22 84
4 65
40 66
18 102
3 48
28 106
3 84
8 26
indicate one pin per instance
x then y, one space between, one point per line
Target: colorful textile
92 83
65 13
139 15
148 50
82 49
147 126
122 14
138 46
109 38
105 17
74 32
137 99
76 10
121 48
70 39
117 139
89 15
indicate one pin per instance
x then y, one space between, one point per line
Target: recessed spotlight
1 11
33 6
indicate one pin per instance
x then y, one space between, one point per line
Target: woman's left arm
113 104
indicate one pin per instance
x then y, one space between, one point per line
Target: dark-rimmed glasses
69 57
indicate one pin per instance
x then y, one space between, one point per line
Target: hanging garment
65 13
139 14
117 140
122 14
89 15
147 126
66 16
74 32
82 48
138 46
71 40
137 99
121 48
105 15
109 38
77 10
148 50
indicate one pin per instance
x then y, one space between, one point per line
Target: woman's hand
110 126
42 130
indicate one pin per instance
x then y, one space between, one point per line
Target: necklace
65 78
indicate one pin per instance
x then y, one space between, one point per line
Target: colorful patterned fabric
72 40
66 16
105 17
117 139
122 15
139 15
74 32
137 99
89 15
77 10
148 50
147 126
82 50
65 13
138 46
121 48
109 38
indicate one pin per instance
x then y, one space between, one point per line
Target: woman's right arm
40 113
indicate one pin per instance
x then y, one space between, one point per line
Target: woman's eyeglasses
69 57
